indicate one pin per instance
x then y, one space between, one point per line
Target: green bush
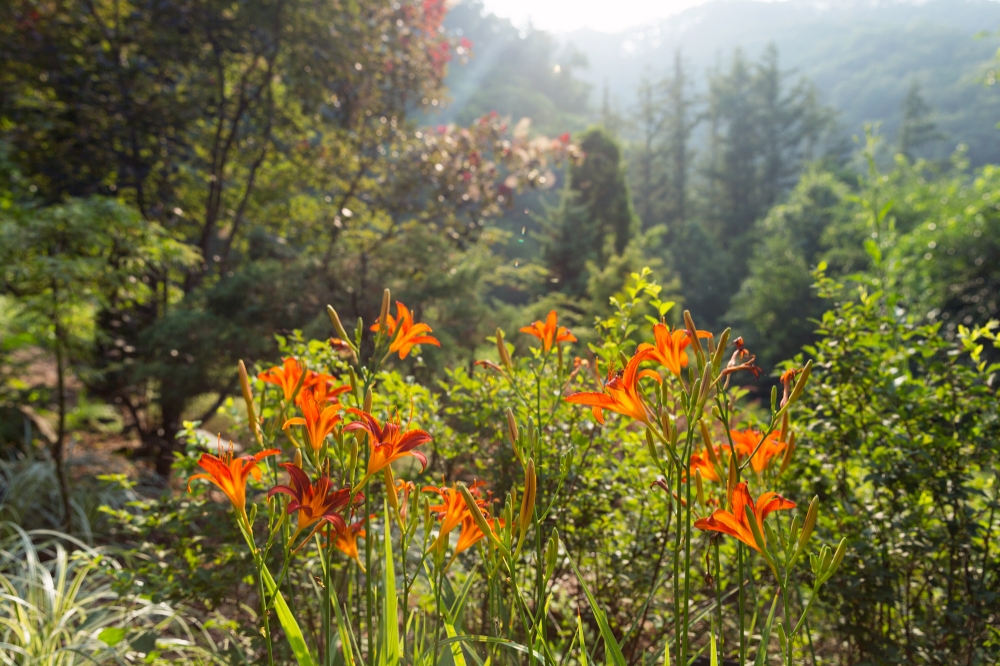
902 445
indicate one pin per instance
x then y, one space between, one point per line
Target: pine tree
595 208
917 129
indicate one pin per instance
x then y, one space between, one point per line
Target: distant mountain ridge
863 57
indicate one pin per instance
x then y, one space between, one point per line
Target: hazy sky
603 15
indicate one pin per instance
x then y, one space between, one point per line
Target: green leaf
611 647
390 648
112 635
145 643
456 648
583 644
342 628
288 624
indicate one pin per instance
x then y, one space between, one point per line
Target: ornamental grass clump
406 570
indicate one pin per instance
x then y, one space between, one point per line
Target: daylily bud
800 383
512 428
297 460
707 439
551 554
352 462
337 326
810 522
253 514
390 488
477 515
783 434
789 450
354 383
383 317
504 354
699 487
528 501
368 400
650 445
838 557
248 399
720 350
731 482
693 332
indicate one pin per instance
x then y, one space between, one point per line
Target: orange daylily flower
471 534
409 333
346 540
314 502
621 392
230 474
288 374
550 333
319 420
737 523
669 347
389 442
701 462
453 509
746 441
324 392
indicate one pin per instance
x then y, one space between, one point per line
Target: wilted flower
737 523
404 333
621 392
230 474
549 333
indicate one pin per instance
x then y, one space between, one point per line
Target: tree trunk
58 445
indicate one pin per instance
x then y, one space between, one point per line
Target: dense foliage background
187 184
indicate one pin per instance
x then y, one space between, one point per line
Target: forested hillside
292 293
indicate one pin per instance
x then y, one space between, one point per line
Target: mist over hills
862 56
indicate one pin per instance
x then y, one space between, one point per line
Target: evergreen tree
595 208
661 158
761 132
917 128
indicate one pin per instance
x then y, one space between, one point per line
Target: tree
917 129
662 157
262 132
63 263
761 132
595 207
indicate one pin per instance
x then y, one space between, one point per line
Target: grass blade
288 624
390 648
613 650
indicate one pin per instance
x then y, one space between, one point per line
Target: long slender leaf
765 635
478 638
291 628
390 648
583 644
611 646
456 648
342 629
